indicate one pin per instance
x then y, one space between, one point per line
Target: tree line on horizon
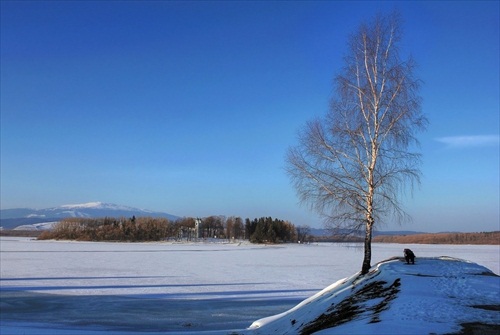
142 229
480 238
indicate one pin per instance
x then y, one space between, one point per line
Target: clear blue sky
189 107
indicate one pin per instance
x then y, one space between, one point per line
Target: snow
98 205
35 216
95 204
438 296
67 287
38 226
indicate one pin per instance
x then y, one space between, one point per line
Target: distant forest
262 230
492 238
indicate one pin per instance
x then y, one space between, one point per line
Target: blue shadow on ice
147 313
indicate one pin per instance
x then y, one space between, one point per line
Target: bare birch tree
353 164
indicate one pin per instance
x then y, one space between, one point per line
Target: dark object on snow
409 256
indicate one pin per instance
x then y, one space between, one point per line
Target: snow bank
436 295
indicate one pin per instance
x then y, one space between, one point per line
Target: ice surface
91 287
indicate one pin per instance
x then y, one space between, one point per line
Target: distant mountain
12 218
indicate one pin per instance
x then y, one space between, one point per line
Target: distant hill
12 218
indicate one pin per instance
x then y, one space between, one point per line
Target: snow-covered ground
438 295
63 287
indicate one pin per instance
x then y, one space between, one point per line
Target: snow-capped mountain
93 209
100 205
11 218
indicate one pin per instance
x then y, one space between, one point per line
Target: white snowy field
62 287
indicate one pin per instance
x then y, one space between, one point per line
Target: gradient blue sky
189 107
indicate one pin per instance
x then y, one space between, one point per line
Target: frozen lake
175 288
